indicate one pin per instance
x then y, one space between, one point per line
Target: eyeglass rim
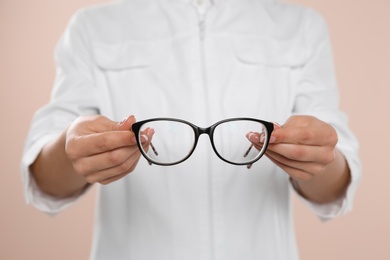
199 131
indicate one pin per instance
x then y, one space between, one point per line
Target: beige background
360 30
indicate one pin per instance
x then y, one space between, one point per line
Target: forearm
328 186
53 171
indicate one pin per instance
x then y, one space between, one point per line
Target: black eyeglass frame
198 131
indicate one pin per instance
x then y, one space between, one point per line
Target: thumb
125 124
274 134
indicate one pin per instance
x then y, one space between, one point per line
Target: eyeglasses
175 140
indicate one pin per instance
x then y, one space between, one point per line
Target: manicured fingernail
253 137
126 118
150 131
272 139
144 138
262 138
123 120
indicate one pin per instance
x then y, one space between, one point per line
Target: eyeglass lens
232 144
172 141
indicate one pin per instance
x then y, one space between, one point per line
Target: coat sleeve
317 94
73 95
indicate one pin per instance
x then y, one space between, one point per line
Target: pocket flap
255 50
116 56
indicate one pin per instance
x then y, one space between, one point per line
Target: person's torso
157 59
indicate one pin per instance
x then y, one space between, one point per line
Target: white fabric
202 8
150 58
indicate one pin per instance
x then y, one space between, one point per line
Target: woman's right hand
102 150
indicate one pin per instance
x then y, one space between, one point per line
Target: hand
102 150
303 147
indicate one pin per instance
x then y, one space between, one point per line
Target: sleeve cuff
33 195
338 207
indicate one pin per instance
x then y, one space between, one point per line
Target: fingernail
272 139
145 138
252 137
262 138
150 131
123 120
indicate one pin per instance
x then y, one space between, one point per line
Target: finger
316 136
304 153
83 146
297 174
99 124
119 176
146 140
125 124
113 179
122 169
309 167
102 161
258 138
149 132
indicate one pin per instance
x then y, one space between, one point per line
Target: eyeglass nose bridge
204 130
210 132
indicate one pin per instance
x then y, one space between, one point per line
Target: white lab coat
153 58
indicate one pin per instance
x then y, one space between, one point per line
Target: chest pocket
257 51
130 55
265 68
130 75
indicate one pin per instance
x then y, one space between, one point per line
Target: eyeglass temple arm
153 148
247 151
154 151
246 154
